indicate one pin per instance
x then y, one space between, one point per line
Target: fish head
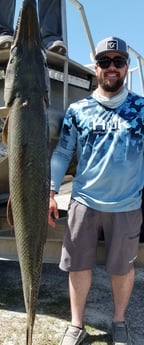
27 69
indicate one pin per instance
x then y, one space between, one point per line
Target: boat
70 81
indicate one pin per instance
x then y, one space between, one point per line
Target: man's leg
7 12
79 258
79 286
51 25
122 238
122 286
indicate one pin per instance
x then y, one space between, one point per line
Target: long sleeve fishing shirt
110 152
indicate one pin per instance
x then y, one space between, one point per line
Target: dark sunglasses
106 61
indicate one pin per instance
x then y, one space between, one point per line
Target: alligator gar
26 132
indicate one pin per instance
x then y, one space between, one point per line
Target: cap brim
111 51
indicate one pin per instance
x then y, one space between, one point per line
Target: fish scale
26 132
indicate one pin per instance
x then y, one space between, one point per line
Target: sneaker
73 336
120 334
5 41
57 47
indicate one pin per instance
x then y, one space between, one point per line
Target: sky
123 18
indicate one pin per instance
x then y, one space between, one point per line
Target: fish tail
29 333
30 319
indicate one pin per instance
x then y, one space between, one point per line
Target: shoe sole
77 341
5 45
58 50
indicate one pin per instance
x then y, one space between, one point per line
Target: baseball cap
112 44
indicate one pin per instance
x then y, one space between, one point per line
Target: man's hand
53 212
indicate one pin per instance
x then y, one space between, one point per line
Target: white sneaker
57 47
5 41
73 336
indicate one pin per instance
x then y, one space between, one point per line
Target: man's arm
60 160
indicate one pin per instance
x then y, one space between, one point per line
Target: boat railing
138 68
80 7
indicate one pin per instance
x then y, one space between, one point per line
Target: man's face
111 78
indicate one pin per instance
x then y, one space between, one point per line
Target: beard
107 86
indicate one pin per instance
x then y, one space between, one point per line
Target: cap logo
112 45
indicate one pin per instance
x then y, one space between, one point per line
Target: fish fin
5 132
10 214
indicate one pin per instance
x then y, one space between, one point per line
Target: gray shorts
121 235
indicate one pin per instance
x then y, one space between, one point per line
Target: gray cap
112 44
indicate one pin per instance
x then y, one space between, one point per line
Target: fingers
53 213
52 216
51 221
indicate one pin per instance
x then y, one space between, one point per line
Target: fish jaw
27 29
24 73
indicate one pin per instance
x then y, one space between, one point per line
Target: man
106 130
50 24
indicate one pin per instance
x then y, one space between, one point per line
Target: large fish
26 133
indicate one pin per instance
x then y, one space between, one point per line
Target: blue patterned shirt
110 150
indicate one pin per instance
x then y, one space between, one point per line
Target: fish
26 133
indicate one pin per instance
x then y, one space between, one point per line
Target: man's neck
108 94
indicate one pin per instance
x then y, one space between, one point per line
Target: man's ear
95 67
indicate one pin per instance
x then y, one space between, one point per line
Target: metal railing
138 68
64 32
86 26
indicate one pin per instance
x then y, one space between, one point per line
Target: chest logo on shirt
103 125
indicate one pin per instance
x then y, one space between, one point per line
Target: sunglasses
118 62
